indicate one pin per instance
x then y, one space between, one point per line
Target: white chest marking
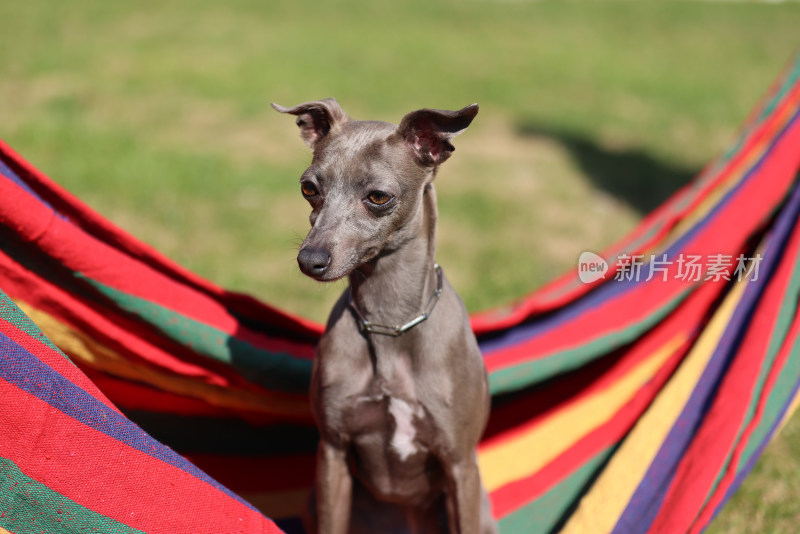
404 432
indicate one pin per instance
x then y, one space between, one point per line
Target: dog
398 389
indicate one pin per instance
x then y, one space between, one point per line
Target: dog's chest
396 423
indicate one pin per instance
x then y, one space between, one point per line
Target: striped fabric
634 403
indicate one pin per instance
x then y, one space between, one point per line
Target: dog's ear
427 132
316 119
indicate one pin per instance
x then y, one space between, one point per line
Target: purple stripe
649 495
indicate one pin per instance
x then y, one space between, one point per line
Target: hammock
635 403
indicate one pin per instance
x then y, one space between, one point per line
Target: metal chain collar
394 331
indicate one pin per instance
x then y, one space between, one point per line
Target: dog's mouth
325 277
320 265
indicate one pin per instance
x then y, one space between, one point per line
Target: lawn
157 115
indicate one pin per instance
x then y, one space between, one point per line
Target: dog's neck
395 287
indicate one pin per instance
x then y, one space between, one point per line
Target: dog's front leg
463 497
334 490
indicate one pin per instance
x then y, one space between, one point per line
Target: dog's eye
308 189
379 197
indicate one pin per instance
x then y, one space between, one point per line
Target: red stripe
112 479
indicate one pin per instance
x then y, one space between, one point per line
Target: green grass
592 113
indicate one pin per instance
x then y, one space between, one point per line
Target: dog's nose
313 262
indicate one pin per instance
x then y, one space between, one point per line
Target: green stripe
548 512
28 506
274 370
536 371
11 313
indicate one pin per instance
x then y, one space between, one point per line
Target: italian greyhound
398 388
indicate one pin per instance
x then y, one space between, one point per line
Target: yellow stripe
80 347
4 531
529 452
602 506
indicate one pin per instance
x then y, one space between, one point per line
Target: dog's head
366 181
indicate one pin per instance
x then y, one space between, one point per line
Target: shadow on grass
632 175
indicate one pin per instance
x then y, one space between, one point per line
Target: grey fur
399 417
